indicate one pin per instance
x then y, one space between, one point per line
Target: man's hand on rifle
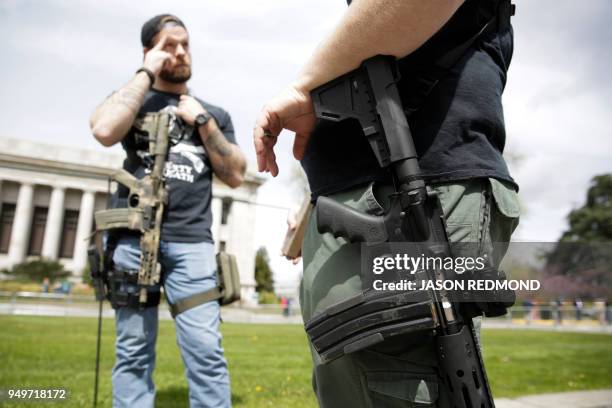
292 110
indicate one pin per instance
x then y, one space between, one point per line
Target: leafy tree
581 263
593 221
263 273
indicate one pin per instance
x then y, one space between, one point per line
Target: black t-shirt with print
458 130
188 172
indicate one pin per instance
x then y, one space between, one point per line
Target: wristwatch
202 119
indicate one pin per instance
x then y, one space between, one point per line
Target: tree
593 221
263 273
581 262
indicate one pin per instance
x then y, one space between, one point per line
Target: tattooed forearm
226 158
218 143
113 118
130 96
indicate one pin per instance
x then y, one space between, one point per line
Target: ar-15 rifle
146 199
369 95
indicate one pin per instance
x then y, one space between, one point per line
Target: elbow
236 177
235 180
103 135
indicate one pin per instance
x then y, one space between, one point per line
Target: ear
144 51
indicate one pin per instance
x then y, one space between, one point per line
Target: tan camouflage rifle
146 199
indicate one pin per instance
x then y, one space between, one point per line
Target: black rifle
369 95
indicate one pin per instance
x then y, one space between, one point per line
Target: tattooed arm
226 158
113 118
111 121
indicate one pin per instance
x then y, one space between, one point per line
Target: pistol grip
346 222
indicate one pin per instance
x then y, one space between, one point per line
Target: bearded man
206 145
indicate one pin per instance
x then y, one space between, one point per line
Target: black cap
155 25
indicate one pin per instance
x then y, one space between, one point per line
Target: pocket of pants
401 389
507 205
506 198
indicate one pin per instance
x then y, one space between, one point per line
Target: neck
166 86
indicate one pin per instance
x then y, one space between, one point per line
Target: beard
176 75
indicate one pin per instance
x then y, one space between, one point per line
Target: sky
61 58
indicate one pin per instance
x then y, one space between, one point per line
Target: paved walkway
579 399
238 315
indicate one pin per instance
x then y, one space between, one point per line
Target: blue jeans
188 268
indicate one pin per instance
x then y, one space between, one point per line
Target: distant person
285 306
558 310
528 305
45 285
578 305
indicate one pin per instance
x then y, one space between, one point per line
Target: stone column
240 241
216 208
53 229
22 223
86 213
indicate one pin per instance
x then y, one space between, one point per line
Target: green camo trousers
400 372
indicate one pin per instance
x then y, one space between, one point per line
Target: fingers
271 162
299 145
295 260
258 134
264 139
161 43
291 221
185 100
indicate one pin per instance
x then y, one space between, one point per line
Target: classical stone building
48 196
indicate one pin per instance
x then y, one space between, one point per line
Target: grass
270 364
525 362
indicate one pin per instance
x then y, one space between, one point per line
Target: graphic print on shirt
185 160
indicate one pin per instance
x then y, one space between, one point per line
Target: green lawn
270 364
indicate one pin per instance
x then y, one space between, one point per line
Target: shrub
37 270
267 298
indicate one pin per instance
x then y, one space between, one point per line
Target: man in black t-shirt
203 143
459 134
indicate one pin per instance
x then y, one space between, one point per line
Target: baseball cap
155 25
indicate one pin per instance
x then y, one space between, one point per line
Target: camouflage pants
401 372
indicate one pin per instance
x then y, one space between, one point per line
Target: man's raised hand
156 57
292 110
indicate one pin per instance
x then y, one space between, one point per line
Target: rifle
369 95
146 199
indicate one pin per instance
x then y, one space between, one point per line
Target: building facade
49 194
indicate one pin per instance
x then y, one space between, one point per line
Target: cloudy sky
61 58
